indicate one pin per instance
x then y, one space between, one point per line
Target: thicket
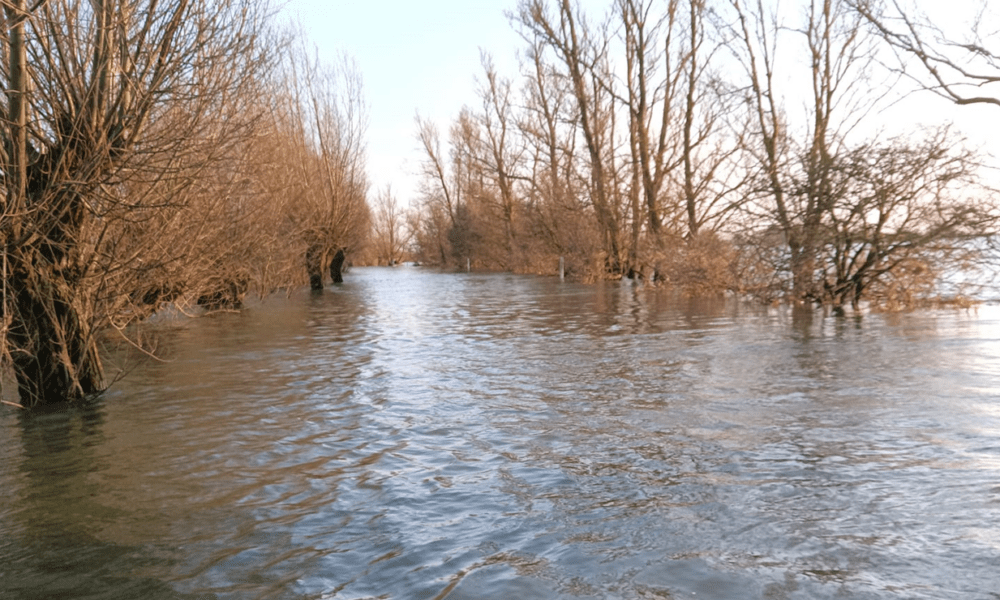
713 146
182 153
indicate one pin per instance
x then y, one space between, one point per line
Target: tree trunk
803 267
55 356
53 352
337 266
314 266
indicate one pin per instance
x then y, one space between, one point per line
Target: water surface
413 434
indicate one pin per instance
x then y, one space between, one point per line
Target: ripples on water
421 435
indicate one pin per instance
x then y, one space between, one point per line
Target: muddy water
413 434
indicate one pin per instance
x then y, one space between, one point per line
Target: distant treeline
717 145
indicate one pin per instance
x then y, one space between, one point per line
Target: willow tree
111 108
329 112
390 234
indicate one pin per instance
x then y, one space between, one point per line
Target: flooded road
413 434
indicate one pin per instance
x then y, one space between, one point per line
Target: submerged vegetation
190 153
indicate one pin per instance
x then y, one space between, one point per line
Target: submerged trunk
50 338
337 266
314 266
803 269
54 353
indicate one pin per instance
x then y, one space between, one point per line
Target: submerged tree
112 108
904 204
637 148
853 212
329 114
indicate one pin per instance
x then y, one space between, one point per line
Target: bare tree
800 195
653 83
440 195
757 30
853 213
335 215
582 52
560 222
711 182
391 236
900 204
502 151
836 49
110 104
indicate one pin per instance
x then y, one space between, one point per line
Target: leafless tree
391 235
559 217
852 212
636 146
903 204
799 195
581 49
652 82
441 197
334 214
502 151
112 108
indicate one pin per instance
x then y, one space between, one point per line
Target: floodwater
413 434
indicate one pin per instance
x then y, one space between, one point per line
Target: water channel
425 435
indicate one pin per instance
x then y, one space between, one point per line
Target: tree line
718 145
185 153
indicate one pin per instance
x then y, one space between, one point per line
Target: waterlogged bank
412 434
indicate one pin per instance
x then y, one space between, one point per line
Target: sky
415 57
423 57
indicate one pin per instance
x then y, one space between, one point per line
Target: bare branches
958 68
121 105
584 58
324 114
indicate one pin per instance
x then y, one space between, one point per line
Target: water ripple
413 434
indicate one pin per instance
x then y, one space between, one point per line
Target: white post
562 269
468 264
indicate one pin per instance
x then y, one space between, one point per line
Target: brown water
413 434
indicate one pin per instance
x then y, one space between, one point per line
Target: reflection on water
413 434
